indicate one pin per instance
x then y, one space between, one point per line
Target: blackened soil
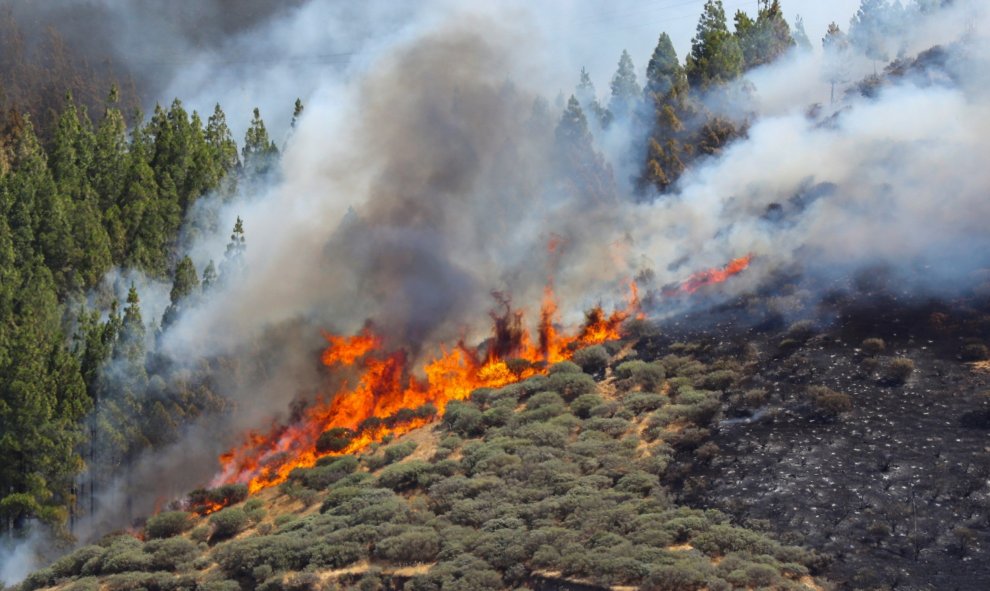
897 490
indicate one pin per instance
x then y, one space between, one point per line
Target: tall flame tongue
388 400
709 276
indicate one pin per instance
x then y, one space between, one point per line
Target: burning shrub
649 376
334 440
168 524
873 346
227 523
897 371
593 360
201 499
829 404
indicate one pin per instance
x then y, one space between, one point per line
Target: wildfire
710 276
387 399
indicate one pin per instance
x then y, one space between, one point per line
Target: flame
386 399
710 276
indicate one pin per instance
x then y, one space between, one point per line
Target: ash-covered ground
892 482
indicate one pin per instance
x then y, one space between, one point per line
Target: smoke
424 175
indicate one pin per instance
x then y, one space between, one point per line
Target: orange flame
710 276
388 400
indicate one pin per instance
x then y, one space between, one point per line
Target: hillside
557 482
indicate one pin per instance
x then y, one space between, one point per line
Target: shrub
582 405
873 346
571 385
168 524
172 553
593 360
497 416
228 522
71 564
334 440
682 575
754 576
225 495
637 482
974 352
649 376
419 544
405 476
640 402
829 404
324 475
897 372
717 380
224 585
463 418
800 331
613 427
564 367
398 451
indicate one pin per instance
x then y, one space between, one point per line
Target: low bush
334 440
168 524
640 402
975 352
593 360
571 385
897 371
399 477
564 367
419 544
463 418
828 403
228 494
227 523
649 376
172 554
873 346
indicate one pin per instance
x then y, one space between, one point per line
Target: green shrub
717 380
168 524
682 575
544 399
463 418
754 576
571 385
873 346
224 585
172 553
564 367
637 482
593 360
399 451
640 402
649 376
399 477
71 564
228 522
582 405
497 416
613 427
420 544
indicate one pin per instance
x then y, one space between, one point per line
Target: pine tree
233 258
184 284
871 29
209 276
767 38
297 112
259 153
715 57
221 142
588 98
110 155
836 47
800 35
590 178
664 73
626 92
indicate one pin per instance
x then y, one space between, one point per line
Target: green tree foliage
587 97
715 57
765 39
259 154
184 285
578 161
800 35
233 258
626 92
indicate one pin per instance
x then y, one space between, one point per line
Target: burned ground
889 479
